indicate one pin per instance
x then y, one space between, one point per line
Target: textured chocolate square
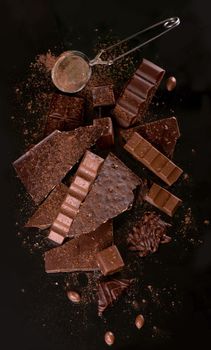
103 95
107 138
109 260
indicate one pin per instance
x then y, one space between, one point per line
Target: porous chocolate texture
110 195
147 234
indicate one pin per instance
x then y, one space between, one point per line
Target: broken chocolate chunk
102 95
109 260
107 138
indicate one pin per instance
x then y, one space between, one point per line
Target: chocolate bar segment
138 93
162 199
154 160
77 192
110 195
79 253
46 164
102 95
65 113
109 260
107 138
162 134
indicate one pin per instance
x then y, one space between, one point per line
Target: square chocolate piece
103 95
109 260
107 138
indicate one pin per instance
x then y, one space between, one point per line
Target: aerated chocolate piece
109 292
153 159
45 165
162 199
79 253
138 93
110 195
147 234
162 134
103 95
77 192
65 113
47 211
109 260
107 138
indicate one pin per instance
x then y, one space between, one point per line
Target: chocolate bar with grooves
77 192
162 199
153 159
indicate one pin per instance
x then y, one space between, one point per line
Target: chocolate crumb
139 321
109 338
73 296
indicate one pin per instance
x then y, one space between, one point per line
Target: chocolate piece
139 321
171 83
44 165
110 291
103 95
109 260
107 138
109 338
162 134
79 253
73 296
66 113
138 93
77 192
162 199
147 234
110 195
47 211
155 161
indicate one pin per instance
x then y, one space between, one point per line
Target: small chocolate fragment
109 338
103 95
77 192
139 321
47 211
110 195
73 296
79 253
109 260
162 199
46 164
153 159
147 234
138 93
171 83
162 134
110 291
107 138
65 113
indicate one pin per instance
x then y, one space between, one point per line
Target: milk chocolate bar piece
79 253
154 160
102 95
65 113
47 211
46 164
109 260
107 138
77 192
162 199
110 195
162 134
138 93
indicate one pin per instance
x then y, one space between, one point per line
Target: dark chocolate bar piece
79 253
153 159
102 95
65 113
162 134
109 260
107 138
162 199
109 292
138 93
147 234
47 211
46 164
110 195
77 192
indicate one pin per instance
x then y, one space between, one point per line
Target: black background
31 27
